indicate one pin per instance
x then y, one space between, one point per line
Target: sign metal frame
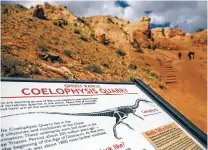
192 129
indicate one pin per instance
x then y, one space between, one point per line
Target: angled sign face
38 114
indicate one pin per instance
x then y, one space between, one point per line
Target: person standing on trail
179 55
36 10
40 14
191 54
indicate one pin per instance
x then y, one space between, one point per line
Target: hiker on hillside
179 55
36 11
191 54
39 12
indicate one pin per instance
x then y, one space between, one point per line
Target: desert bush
132 78
93 68
20 6
35 70
83 21
92 35
68 53
31 7
5 48
105 65
4 28
65 7
82 37
132 66
162 86
163 31
192 36
200 29
60 22
147 70
154 74
43 47
110 20
139 50
154 47
75 24
10 66
120 52
77 31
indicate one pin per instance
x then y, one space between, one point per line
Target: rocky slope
64 46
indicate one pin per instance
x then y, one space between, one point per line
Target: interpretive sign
47 114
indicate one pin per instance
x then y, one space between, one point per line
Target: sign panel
87 116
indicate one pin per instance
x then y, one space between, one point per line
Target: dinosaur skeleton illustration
120 113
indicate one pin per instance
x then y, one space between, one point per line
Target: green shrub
82 37
110 20
43 47
154 47
35 70
92 35
5 28
154 74
77 31
132 78
200 29
10 66
81 20
147 70
65 7
163 31
60 22
132 66
120 52
75 24
93 68
139 50
105 65
68 53
5 48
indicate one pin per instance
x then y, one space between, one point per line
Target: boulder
101 38
145 18
48 55
63 71
175 32
141 39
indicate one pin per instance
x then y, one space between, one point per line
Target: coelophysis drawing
120 113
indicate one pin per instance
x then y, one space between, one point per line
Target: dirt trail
189 94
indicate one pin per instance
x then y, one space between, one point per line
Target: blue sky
188 15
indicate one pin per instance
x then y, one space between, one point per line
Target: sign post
61 114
